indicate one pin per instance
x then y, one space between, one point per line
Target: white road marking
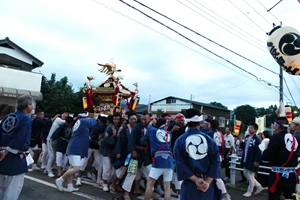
87 196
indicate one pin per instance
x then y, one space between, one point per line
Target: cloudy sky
72 36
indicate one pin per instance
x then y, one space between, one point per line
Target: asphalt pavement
39 186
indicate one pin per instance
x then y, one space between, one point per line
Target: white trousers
144 170
61 160
51 156
11 186
121 171
176 182
252 181
106 175
44 155
221 185
96 155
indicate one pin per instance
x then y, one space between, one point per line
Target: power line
152 29
289 91
246 16
267 9
259 47
237 17
222 18
191 31
257 12
205 6
258 79
295 83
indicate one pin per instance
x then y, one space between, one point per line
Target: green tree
159 112
245 113
269 113
59 96
217 104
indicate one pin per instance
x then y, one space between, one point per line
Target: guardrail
233 168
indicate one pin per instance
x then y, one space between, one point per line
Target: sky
72 36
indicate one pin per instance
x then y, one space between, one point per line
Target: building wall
170 107
21 80
214 112
15 54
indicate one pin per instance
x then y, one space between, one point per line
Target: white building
16 76
174 105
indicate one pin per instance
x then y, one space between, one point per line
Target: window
221 121
169 101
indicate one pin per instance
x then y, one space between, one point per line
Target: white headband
196 118
83 115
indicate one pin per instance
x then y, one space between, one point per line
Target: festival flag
288 113
260 121
237 127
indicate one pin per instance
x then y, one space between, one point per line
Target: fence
233 168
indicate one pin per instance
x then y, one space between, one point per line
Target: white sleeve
59 121
232 141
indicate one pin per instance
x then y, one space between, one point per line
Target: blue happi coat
253 153
79 142
15 129
160 144
196 154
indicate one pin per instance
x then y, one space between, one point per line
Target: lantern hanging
284 46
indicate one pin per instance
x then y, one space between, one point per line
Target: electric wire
257 78
295 83
289 92
152 29
146 26
235 16
205 38
191 31
246 16
259 47
267 9
205 6
257 12
222 18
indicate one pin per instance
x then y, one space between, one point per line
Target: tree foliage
245 113
269 113
59 96
217 104
159 112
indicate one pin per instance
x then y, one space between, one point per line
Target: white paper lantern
284 46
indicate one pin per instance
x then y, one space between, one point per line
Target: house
16 76
174 105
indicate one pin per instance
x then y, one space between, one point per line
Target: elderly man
15 130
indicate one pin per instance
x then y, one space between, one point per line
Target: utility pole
280 84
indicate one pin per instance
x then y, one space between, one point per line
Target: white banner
260 121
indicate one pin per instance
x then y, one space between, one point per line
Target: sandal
126 197
112 191
138 193
119 189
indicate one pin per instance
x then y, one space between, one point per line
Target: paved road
38 186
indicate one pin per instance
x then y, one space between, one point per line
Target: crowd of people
180 157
